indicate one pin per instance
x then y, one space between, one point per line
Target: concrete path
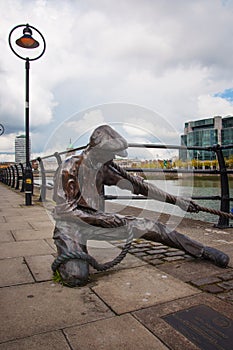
143 303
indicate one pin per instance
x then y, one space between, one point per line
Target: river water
186 187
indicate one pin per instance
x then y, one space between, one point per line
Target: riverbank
177 176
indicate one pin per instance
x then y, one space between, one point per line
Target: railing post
8 176
22 177
13 177
5 176
32 178
58 158
225 195
17 177
2 175
42 197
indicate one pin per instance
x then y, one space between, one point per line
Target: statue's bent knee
74 272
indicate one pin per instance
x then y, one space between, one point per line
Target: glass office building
205 133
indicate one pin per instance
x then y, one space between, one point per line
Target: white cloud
89 121
170 57
135 131
7 143
214 106
7 158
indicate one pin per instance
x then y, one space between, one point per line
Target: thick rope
61 259
215 212
155 193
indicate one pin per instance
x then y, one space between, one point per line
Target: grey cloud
168 56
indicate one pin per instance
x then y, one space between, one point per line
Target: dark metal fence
13 175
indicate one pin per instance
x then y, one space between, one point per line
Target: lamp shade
26 41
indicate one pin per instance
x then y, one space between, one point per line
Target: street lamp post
27 42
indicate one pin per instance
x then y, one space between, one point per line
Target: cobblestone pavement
156 254
221 285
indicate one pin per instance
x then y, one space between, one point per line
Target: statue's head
106 143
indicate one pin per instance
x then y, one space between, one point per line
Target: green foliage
57 277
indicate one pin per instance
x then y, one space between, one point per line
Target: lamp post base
28 199
28 185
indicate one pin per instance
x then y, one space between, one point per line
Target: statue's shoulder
68 165
71 162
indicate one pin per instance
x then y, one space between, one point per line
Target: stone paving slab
50 242
109 252
40 267
6 236
152 318
36 213
45 341
9 211
40 225
121 332
24 248
189 270
207 233
210 236
32 234
23 224
18 218
12 199
31 309
129 290
14 271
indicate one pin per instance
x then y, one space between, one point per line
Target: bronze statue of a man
79 213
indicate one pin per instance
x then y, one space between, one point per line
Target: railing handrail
148 145
11 177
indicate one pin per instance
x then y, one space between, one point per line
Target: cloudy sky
145 67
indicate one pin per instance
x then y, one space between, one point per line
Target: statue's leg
158 232
74 272
67 238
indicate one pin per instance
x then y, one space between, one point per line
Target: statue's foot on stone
74 273
216 256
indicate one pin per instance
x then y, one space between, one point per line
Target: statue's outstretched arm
71 213
139 186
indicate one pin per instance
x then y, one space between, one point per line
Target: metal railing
13 175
